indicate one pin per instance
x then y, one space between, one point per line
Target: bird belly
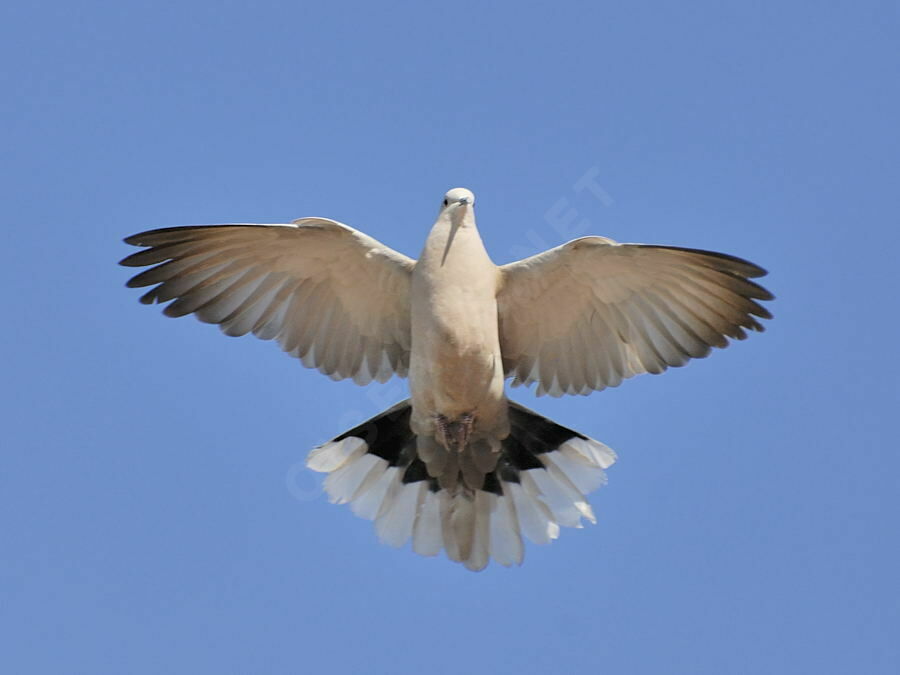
455 364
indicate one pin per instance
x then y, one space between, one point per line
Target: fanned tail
539 483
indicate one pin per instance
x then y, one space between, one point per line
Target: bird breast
455 364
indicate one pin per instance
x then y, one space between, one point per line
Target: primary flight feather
457 466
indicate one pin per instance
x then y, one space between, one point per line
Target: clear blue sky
155 514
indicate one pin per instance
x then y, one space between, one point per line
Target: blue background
155 512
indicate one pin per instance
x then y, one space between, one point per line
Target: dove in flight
457 466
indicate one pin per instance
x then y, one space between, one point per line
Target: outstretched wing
592 312
332 296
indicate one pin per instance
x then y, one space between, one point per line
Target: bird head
456 198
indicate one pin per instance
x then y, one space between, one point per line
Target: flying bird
457 466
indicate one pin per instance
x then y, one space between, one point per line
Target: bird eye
446 201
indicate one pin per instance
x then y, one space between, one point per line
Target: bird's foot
454 434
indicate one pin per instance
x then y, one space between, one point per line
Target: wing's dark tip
748 269
128 261
148 298
761 312
138 239
137 281
762 293
174 310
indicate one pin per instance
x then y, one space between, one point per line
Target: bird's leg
454 434
463 430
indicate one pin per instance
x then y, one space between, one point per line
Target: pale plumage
330 295
590 313
457 467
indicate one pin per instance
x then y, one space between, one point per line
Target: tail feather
427 533
395 523
507 547
537 521
537 483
